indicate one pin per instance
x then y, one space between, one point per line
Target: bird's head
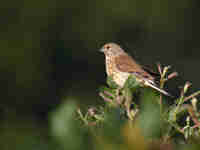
111 49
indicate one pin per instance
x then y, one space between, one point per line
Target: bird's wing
125 63
150 71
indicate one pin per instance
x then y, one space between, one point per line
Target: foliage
132 117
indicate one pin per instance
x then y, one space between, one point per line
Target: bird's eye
107 47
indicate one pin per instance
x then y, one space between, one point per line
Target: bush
131 118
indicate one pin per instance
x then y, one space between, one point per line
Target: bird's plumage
120 66
125 63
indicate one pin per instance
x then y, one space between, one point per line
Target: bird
120 65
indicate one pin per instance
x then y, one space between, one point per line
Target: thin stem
82 117
178 106
191 96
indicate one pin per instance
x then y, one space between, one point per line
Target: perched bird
119 65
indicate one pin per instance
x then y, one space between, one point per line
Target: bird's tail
157 88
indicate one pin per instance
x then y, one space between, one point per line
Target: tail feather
158 89
152 84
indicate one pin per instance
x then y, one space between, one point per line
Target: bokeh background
49 55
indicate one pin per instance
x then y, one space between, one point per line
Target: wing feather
125 63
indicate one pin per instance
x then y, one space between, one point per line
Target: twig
105 98
159 68
191 96
172 75
108 93
82 117
193 116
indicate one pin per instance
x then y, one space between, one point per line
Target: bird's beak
101 49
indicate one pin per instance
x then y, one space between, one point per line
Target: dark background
49 54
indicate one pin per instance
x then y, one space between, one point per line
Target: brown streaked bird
119 65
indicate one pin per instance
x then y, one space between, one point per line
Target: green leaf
104 88
112 125
68 131
111 83
176 112
172 115
132 83
150 117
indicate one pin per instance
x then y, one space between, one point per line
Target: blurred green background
49 55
